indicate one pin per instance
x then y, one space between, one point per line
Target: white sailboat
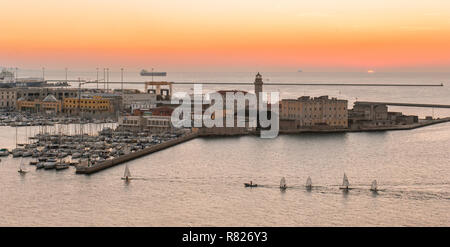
373 187
283 183
309 183
21 167
126 174
345 183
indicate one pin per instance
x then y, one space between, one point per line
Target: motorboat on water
50 164
33 163
4 152
42 159
251 184
17 152
27 153
61 166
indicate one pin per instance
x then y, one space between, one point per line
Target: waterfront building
49 105
115 99
89 105
141 105
8 98
370 115
39 93
147 123
132 123
162 90
158 119
157 124
159 111
366 114
133 101
317 112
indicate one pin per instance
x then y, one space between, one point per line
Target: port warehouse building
155 120
8 98
64 100
91 101
308 112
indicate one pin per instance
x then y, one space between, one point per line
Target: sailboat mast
16 136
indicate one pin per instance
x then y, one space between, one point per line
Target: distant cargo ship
152 73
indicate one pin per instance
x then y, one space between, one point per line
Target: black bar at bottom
224 236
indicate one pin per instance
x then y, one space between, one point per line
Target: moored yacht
4 152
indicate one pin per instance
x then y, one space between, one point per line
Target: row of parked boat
345 184
21 120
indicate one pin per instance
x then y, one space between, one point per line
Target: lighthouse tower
258 90
258 85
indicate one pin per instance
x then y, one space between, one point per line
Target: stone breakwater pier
217 132
421 124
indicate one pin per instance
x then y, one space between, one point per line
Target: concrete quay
422 123
208 133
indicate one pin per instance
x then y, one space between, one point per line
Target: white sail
345 182
283 183
127 172
374 185
21 166
309 182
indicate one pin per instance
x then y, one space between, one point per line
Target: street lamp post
97 78
107 79
121 79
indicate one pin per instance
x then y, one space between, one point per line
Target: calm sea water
200 183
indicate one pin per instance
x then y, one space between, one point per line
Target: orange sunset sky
209 35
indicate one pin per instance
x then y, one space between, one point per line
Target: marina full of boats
59 151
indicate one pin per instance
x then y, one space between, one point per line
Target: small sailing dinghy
126 174
345 183
374 187
251 184
21 167
283 183
309 183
